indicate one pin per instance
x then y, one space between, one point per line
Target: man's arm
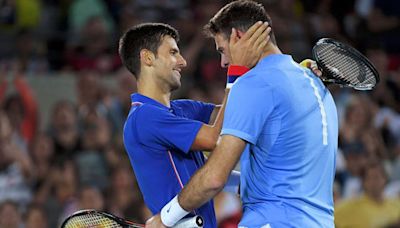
211 178
214 113
207 182
207 137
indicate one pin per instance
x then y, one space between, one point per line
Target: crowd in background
78 160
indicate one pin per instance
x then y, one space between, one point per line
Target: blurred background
64 96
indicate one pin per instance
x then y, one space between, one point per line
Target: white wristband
172 212
229 85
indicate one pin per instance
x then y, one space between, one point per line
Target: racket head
95 219
344 65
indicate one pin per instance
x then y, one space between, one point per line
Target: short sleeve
249 105
158 129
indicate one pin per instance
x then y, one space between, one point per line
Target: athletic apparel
158 141
288 119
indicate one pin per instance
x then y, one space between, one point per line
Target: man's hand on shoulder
312 65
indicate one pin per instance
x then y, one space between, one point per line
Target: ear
239 33
146 57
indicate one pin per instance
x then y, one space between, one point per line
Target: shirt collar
137 97
274 58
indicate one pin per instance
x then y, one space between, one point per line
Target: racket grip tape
193 222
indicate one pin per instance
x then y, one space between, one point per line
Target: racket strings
345 67
91 221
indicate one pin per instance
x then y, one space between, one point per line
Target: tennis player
164 138
281 122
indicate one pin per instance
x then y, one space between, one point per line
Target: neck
150 89
270 50
378 198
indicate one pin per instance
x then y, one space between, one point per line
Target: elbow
216 184
211 144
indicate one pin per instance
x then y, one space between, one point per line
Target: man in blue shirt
164 138
281 122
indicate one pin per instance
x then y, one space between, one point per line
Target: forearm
210 179
201 190
214 114
206 182
217 125
207 137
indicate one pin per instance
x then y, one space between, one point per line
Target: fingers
315 69
263 39
312 65
260 30
252 30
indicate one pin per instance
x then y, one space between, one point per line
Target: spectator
91 160
93 50
64 131
91 198
60 193
10 217
371 209
21 108
15 168
35 217
124 194
42 154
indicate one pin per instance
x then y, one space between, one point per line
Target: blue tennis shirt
289 120
158 140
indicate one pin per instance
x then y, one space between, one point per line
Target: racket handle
193 222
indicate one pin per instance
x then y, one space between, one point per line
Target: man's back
288 166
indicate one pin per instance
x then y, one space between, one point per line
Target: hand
247 50
312 65
155 222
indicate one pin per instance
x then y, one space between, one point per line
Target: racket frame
198 220
124 223
360 57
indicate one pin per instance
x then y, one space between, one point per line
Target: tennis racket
97 219
344 65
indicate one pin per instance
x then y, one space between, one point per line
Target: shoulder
187 102
184 102
191 105
261 76
255 81
146 112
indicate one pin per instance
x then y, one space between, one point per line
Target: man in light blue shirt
288 121
281 122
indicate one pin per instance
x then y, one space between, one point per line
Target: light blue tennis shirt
288 119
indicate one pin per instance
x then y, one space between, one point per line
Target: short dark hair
240 14
143 36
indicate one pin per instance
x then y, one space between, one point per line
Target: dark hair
240 14
143 36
